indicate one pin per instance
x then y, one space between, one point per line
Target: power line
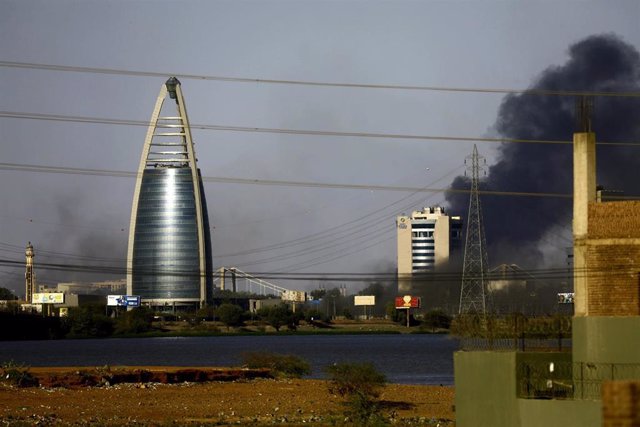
537 274
114 71
306 132
367 221
126 174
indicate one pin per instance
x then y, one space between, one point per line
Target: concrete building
597 383
169 255
106 287
425 242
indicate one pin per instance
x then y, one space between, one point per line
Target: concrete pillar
403 226
584 192
441 235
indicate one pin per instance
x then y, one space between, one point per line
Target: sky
82 219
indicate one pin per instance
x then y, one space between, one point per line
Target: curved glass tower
169 256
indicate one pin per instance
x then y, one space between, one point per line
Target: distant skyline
84 219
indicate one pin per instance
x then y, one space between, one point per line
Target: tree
313 315
398 316
88 321
279 316
230 314
206 313
318 294
136 321
6 294
436 319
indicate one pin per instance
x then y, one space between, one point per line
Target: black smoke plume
517 227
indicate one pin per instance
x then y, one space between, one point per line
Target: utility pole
474 271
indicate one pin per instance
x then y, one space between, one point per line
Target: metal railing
513 332
570 380
560 343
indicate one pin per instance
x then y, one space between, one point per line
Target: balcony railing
569 380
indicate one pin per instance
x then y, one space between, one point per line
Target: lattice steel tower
474 270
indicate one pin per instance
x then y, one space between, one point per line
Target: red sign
407 301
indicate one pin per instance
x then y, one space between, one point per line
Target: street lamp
171 86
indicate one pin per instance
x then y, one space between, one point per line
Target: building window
427 225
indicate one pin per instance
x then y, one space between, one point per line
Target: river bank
243 402
340 326
404 358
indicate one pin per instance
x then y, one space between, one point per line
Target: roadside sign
133 300
407 301
123 300
566 298
364 300
295 296
48 298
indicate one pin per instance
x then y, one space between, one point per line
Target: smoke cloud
518 227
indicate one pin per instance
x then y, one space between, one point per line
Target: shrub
313 315
18 375
283 365
436 319
360 383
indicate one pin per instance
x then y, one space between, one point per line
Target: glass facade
165 252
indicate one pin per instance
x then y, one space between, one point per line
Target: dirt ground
242 402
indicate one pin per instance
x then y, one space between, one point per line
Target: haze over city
326 230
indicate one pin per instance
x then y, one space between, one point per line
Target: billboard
565 298
364 300
123 300
295 296
408 301
48 298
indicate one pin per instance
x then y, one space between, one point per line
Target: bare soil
258 401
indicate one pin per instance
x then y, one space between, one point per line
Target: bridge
251 283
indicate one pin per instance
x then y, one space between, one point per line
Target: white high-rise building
425 241
169 257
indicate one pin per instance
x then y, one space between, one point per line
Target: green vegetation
360 384
136 321
279 316
511 326
435 320
230 314
7 295
283 365
330 312
88 321
17 375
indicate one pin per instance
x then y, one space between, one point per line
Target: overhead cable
306 132
248 181
115 71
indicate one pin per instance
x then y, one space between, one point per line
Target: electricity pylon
474 271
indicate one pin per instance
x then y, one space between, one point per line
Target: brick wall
621 404
614 220
613 275
613 259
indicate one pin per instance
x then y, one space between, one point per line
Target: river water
404 359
